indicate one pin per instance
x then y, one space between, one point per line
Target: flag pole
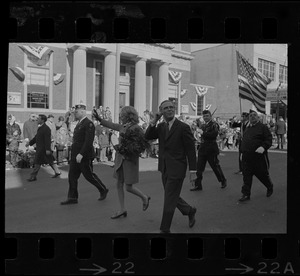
240 105
278 93
117 85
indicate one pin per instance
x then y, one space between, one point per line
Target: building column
163 82
154 75
140 86
79 76
109 83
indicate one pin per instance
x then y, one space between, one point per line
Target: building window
282 74
267 68
98 83
132 85
200 101
122 70
37 80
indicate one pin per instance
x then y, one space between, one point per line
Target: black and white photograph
146 138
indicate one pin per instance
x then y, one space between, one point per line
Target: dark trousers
86 168
36 170
213 161
255 164
280 140
240 159
172 200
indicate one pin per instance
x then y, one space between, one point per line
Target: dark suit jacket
83 137
42 139
176 150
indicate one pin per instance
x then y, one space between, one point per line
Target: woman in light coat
126 169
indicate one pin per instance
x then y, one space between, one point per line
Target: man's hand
200 131
260 150
157 116
193 176
78 158
48 152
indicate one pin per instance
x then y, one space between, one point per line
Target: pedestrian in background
13 139
280 130
82 155
43 153
176 147
126 168
257 139
30 127
103 143
208 151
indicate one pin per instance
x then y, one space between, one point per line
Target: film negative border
185 22
93 254
161 22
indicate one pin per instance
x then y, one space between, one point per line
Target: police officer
208 151
257 139
82 154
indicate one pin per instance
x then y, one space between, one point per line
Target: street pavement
34 207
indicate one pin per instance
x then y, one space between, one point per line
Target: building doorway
122 100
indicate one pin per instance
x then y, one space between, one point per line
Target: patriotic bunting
193 105
58 78
175 76
38 55
252 83
201 90
183 92
18 72
208 106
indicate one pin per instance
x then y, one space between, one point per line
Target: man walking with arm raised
176 149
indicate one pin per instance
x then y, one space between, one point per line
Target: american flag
252 83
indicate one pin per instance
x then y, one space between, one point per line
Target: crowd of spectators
105 140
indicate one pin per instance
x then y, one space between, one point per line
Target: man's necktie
167 129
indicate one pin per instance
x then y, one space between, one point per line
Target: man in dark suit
176 147
242 124
43 154
82 154
208 151
256 141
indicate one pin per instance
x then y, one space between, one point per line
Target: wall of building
217 67
15 59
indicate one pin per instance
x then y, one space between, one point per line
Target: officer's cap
80 106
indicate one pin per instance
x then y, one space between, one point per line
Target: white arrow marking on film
245 269
98 270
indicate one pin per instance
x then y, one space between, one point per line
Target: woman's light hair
129 115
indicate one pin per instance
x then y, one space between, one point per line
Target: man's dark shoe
238 172
244 198
196 188
224 184
69 201
270 191
192 219
103 195
32 179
